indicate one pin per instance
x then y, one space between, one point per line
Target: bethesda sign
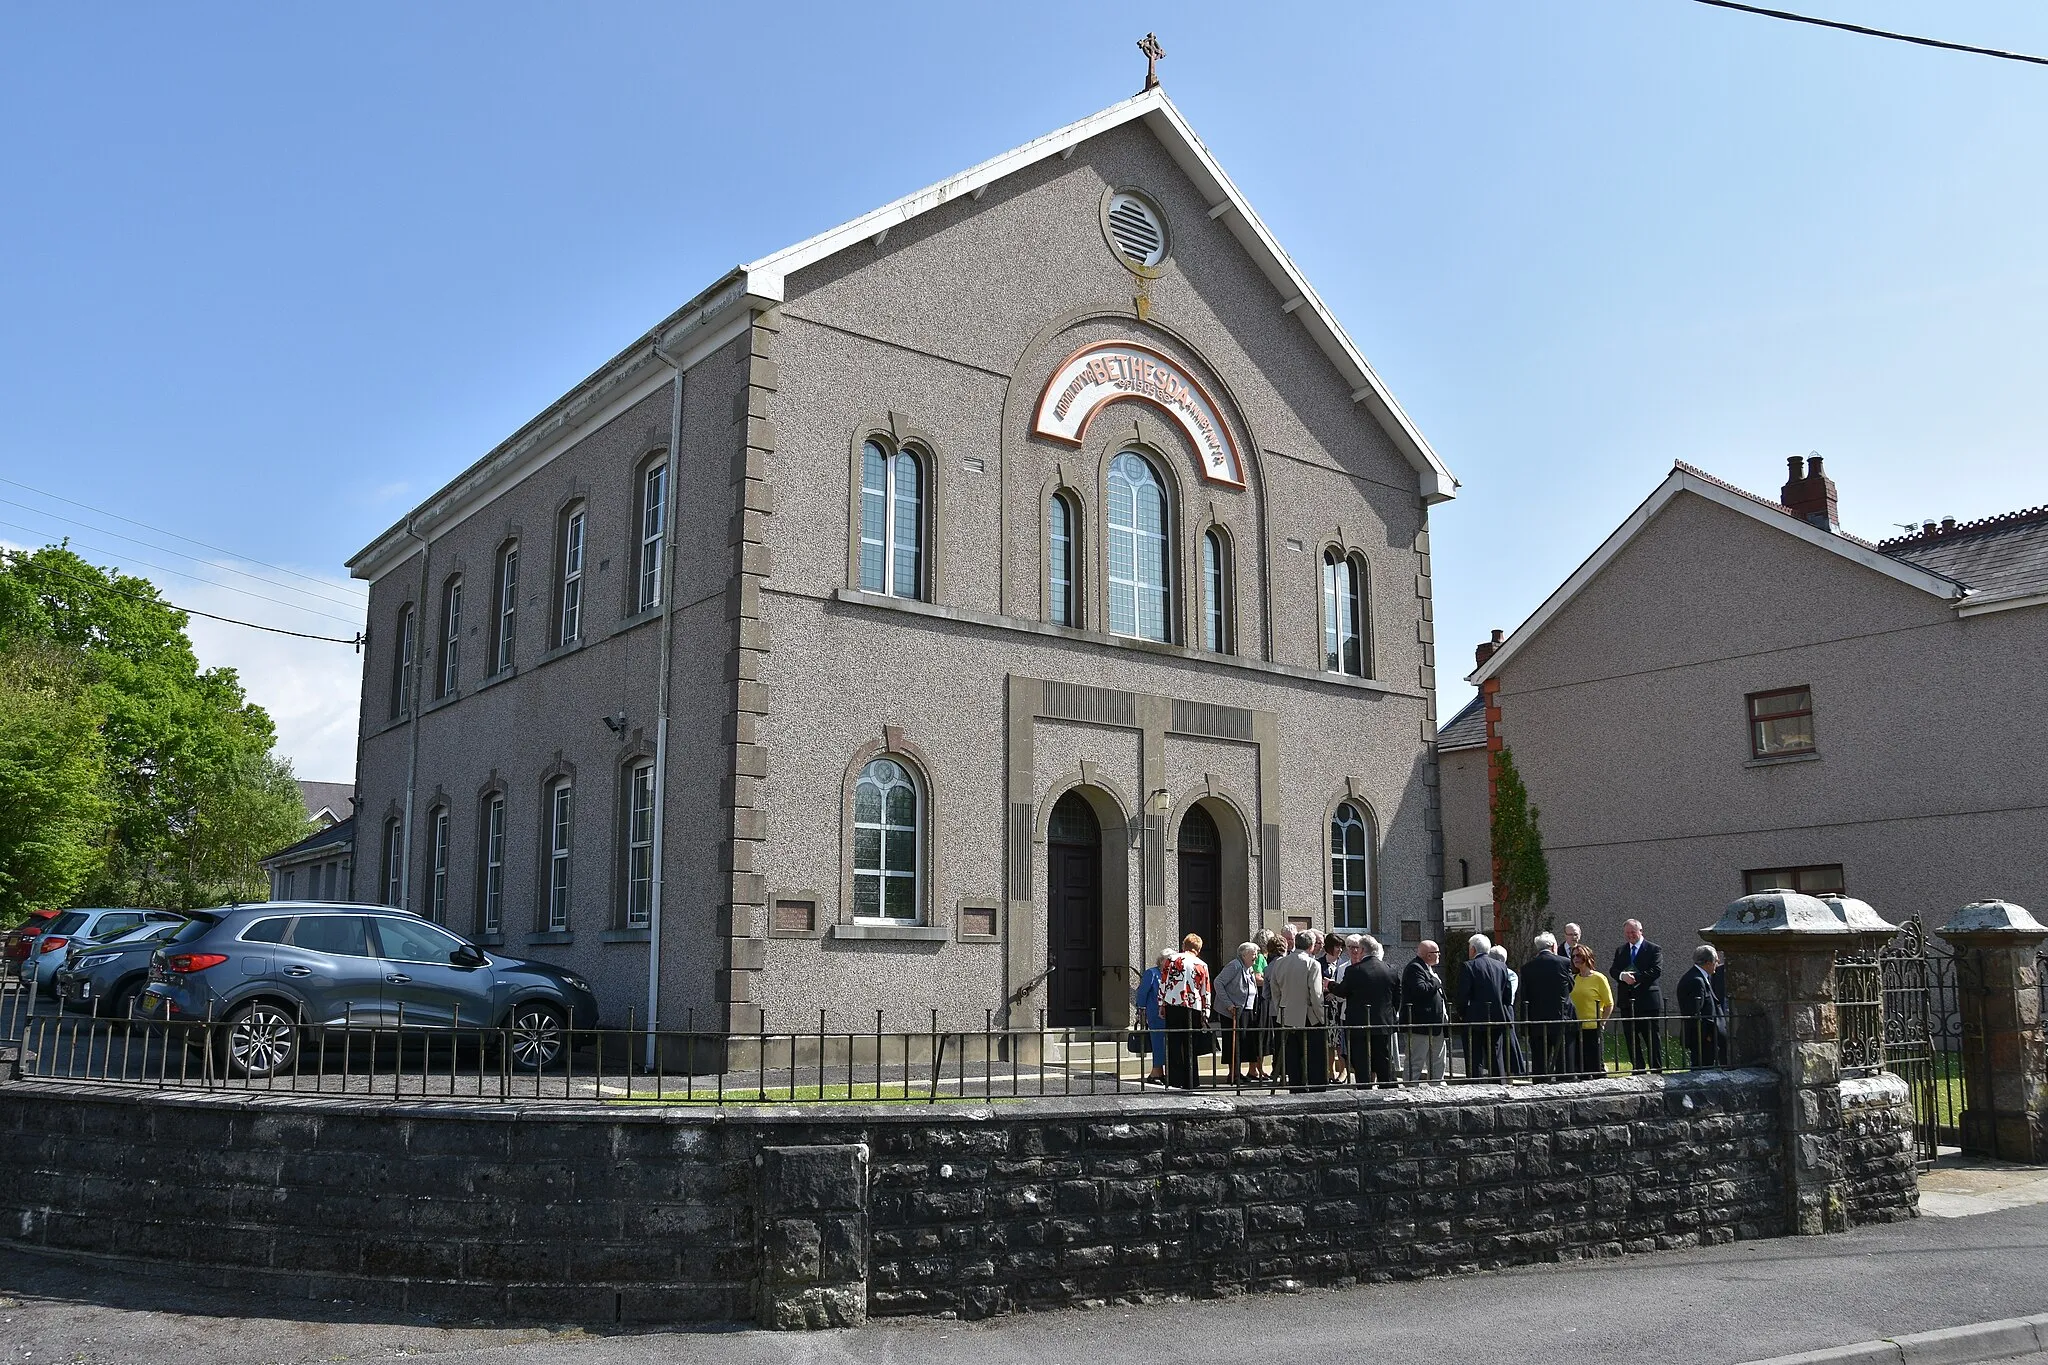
1122 369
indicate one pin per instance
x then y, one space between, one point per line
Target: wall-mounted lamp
1159 802
616 724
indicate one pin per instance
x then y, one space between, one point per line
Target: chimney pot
1795 468
1926 528
1948 523
1487 648
1813 467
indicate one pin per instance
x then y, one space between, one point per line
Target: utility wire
182 554
16 483
179 573
1789 16
160 601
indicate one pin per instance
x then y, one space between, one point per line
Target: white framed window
1350 869
505 625
640 846
437 871
451 637
1063 603
286 881
1215 592
560 810
491 890
653 534
569 622
888 839
1138 580
401 665
1345 645
892 522
394 863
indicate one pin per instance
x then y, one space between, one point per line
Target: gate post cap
1780 915
1858 915
1999 919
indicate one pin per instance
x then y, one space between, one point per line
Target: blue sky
272 273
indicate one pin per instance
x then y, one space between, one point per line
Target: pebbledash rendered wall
609 1214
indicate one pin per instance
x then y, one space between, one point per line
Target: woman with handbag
1184 1000
1152 1020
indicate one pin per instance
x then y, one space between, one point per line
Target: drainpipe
668 598
412 699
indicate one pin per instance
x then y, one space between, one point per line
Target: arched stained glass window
1350 869
1137 550
891 522
887 835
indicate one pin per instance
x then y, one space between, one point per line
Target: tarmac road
1708 1306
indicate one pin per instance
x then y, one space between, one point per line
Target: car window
414 941
341 935
267 930
151 933
191 929
66 923
109 926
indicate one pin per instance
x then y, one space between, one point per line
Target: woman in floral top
1184 1001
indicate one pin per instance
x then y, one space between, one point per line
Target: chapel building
943 614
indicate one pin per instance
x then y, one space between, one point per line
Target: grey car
50 949
107 976
271 974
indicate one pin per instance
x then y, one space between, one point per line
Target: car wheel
537 1037
260 1040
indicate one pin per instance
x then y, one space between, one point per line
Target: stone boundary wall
1879 1164
555 1213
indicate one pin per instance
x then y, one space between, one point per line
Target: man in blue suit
1484 1007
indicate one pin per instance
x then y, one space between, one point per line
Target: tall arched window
1346 648
394 862
1137 549
1350 869
450 670
639 830
437 866
888 822
569 592
1215 592
490 910
892 522
653 523
401 665
505 616
1063 603
561 795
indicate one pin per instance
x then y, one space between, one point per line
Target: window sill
1074 634
439 702
552 936
494 679
912 933
626 936
560 652
1778 760
635 620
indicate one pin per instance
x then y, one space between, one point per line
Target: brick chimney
1486 650
1810 494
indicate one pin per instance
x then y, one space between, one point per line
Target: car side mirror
468 955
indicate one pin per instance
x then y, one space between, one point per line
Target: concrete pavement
1705 1306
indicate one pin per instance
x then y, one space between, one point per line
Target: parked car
272 974
106 976
53 944
14 949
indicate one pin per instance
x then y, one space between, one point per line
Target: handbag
1138 1041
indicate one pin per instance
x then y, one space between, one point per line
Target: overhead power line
1867 32
159 600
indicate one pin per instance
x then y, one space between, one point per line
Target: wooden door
1074 914
1201 886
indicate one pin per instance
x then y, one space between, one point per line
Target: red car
14 949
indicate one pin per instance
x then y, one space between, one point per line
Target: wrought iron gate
1923 1034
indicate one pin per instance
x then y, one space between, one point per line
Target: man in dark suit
1638 977
1423 1016
1484 997
1371 993
1544 1004
1706 1013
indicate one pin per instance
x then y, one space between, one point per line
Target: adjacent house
316 868
1734 693
944 613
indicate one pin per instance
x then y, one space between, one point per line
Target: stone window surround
1368 633
1354 796
638 749
895 432
494 786
559 769
1078 543
839 922
648 460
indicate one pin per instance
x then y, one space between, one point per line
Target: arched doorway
1074 913
1201 884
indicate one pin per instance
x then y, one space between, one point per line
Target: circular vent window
1135 229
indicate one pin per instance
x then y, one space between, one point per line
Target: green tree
55 809
1521 876
197 795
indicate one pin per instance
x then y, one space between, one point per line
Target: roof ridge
1762 501
1932 532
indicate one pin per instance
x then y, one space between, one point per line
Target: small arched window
490 910
437 866
1215 592
639 830
394 863
653 523
560 809
1063 603
1346 645
1350 869
505 615
888 832
401 665
449 674
569 546
892 522
1137 550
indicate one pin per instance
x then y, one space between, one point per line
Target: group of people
1326 1007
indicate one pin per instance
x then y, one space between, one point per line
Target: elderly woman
1147 1002
1237 998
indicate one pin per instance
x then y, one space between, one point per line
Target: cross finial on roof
1149 45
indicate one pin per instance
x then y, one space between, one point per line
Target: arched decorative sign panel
1105 372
